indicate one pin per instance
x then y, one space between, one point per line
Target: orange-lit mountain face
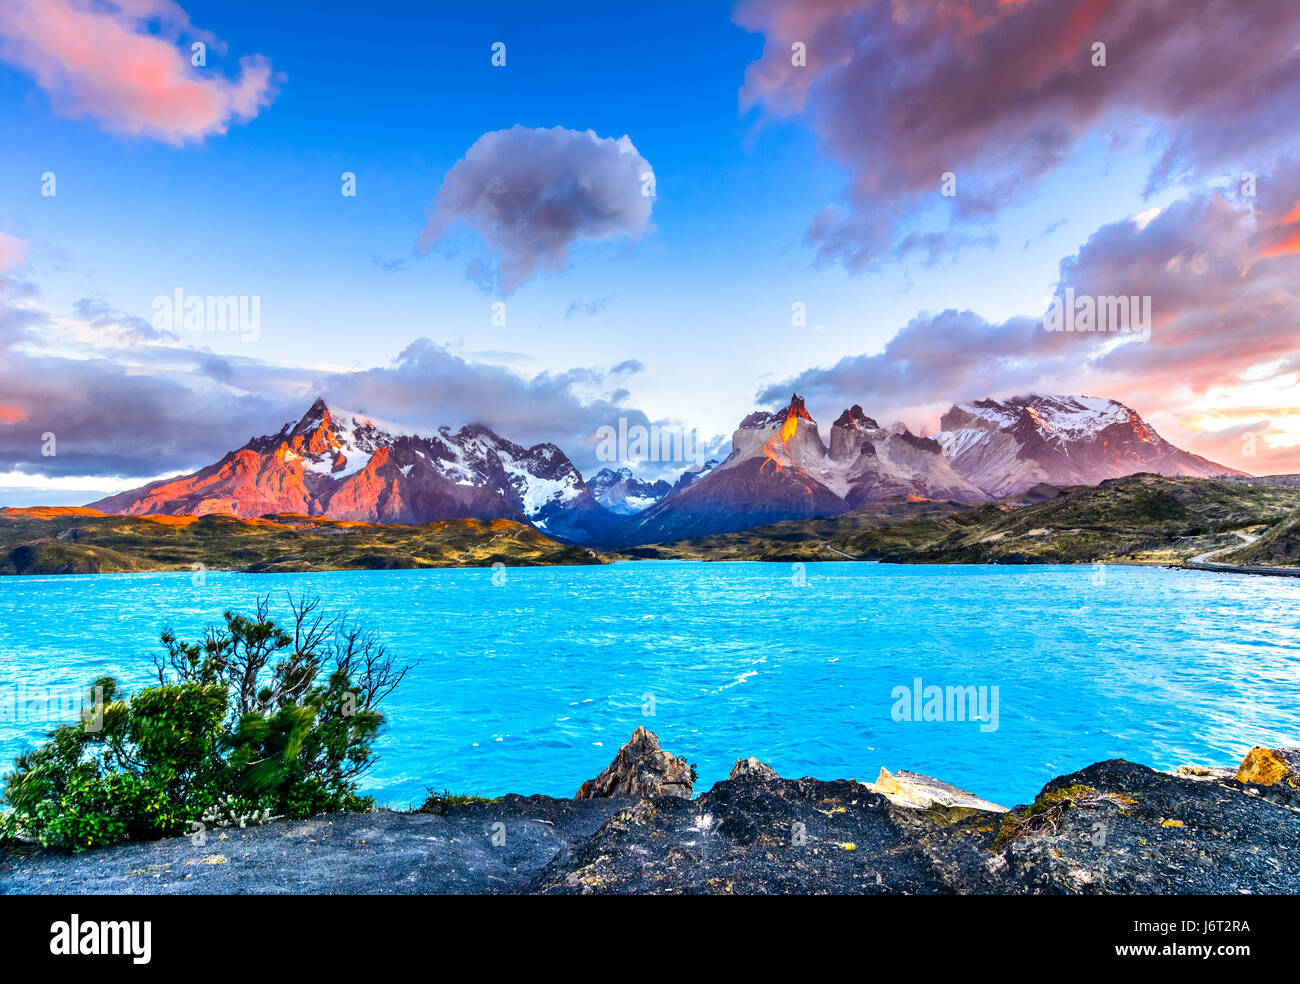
346 466
777 449
779 469
1006 447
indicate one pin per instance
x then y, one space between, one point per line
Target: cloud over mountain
133 403
533 194
1222 271
428 384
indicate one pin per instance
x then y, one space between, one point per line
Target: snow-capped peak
621 492
1007 446
1061 417
335 444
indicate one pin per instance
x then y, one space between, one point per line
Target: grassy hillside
1279 547
1141 519
83 541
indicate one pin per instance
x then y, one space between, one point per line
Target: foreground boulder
752 767
911 789
642 769
1270 766
1206 772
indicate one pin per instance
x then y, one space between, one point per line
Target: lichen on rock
1270 766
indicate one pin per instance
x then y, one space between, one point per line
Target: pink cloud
1226 314
1003 93
97 59
13 252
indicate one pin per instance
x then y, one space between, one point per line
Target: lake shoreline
1159 565
1111 828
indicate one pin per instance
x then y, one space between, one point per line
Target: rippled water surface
532 685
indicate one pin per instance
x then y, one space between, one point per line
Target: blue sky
399 93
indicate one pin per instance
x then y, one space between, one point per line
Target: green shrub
254 721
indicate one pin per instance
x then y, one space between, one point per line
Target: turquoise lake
531 685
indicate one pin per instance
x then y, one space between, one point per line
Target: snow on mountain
1008 446
870 463
346 465
535 480
779 469
621 492
692 475
338 443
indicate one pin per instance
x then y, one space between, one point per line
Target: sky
564 215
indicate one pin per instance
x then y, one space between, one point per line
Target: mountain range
1007 447
340 465
620 491
345 466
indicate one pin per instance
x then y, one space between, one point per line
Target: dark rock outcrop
751 835
1126 829
641 768
752 767
1112 828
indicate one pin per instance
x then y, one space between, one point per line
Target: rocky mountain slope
1277 547
1005 447
1137 519
621 492
779 469
346 466
1141 518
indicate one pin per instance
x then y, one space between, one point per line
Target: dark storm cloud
108 420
